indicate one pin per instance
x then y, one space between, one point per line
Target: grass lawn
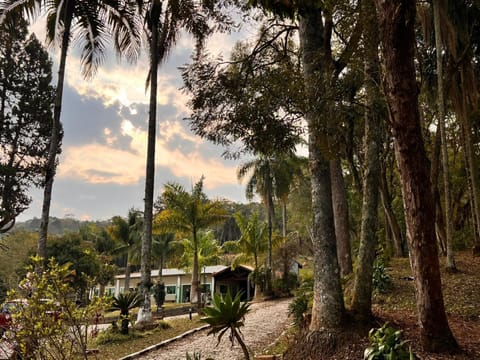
139 340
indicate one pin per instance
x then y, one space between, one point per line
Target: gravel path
263 324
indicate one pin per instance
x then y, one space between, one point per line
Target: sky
102 166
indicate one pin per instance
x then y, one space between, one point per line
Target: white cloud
103 164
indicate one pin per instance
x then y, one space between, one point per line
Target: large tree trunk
341 218
362 294
441 122
397 18
145 315
51 164
328 306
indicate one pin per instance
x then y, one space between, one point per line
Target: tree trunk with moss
328 306
362 293
341 218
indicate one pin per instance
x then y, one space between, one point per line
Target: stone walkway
263 325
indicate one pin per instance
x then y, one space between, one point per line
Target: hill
56 225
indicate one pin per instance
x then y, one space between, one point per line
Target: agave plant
227 314
124 303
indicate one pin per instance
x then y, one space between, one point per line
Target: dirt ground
397 307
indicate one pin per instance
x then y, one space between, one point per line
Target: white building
177 282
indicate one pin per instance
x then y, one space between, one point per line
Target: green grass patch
116 346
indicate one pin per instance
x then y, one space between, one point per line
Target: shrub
124 303
302 302
386 344
159 294
227 314
162 324
113 335
381 280
48 324
284 286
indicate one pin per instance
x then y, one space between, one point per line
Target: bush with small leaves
47 323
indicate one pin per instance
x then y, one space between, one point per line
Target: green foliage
125 302
302 302
162 324
113 335
381 280
386 344
195 356
81 256
285 285
227 314
26 110
159 293
47 323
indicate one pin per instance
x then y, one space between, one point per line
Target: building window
171 289
110 291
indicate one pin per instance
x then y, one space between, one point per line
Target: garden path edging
163 343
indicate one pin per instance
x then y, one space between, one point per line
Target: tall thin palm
127 232
261 181
164 21
253 242
270 176
163 248
89 23
187 214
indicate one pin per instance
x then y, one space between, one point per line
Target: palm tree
261 181
252 243
124 303
227 314
127 232
163 247
270 176
164 21
188 213
208 251
89 23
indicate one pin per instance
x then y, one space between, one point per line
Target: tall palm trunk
341 218
51 164
128 268
397 23
441 122
195 290
328 306
362 294
146 266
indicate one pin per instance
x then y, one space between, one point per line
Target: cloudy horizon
102 166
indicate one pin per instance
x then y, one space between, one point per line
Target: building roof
212 269
227 268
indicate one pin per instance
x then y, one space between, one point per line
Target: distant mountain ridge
57 226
